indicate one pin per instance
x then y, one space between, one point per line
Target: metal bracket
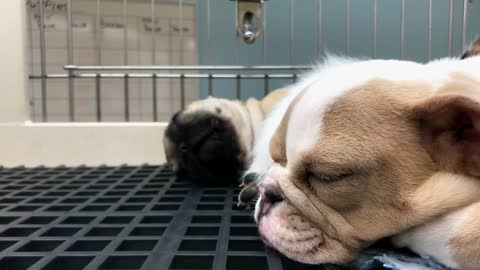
249 19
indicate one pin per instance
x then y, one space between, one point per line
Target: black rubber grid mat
123 218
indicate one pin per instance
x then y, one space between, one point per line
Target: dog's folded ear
473 50
450 125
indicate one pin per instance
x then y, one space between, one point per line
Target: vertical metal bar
125 33
98 96
239 86
402 32
266 86
320 28
347 27
292 31
182 91
450 28
30 42
210 85
170 60
126 93
152 14
154 95
209 34
98 39
429 30
264 50
43 62
180 18
375 3
464 25
237 37
71 96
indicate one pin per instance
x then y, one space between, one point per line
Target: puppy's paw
249 193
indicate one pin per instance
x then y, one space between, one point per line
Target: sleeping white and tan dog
361 150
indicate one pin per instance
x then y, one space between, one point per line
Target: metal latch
249 19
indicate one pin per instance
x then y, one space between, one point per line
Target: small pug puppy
210 141
361 150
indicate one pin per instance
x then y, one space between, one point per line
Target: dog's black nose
271 191
273 196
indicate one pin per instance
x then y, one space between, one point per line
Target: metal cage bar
182 41
264 40
209 33
210 85
429 30
71 93
98 36
320 28
98 97
238 88
347 27
125 32
402 31
152 32
154 97
464 24
450 28
291 49
168 76
182 91
266 86
126 93
375 7
43 61
187 68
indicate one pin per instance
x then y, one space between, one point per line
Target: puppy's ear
450 124
473 50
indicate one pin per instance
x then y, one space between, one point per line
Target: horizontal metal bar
147 68
167 76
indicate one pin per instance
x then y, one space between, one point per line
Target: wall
13 99
305 48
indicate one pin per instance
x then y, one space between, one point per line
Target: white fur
433 239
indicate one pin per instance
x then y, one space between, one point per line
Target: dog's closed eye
329 177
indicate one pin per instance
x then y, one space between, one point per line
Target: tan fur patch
269 102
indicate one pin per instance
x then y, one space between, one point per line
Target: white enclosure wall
25 143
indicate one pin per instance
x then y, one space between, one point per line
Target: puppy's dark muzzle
207 148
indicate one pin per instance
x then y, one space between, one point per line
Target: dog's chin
283 229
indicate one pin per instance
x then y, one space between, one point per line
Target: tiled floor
123 218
